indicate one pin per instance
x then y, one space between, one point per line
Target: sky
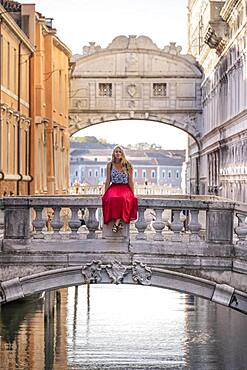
81 21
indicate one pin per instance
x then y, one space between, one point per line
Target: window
105 89
144 174
102 172
153 174
135 174
90 173
163 174
76 173
15 71
159 89
60 92
169 174
177 174
8 65
96 173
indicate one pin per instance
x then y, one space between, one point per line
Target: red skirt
119 202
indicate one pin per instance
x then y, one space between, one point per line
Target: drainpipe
31 123
19 109
1 20
198 174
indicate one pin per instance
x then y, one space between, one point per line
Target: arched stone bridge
193 244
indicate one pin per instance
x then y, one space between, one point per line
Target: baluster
176 226
241 229
158 224
56 222
194 225
92 223
74 222
38 223
141 224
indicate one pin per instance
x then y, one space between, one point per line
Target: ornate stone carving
92 272
116 271
131 90
2 296
131 104
132 42
172 49
91 49
141 273
132 62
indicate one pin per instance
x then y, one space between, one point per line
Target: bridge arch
133 79
107 118
115 272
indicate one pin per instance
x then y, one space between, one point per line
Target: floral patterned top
118 177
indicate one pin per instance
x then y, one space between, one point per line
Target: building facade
34 86
217 32
16 51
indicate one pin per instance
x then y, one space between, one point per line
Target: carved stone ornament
2 296
172 49
116 271
91 49
92 272
131 104
131 90
141 273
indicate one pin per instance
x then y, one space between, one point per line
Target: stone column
219 225
17 219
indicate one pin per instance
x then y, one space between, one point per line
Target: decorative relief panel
132 62
132 90
105 103
116 271
80 103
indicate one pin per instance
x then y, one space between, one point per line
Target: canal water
122 327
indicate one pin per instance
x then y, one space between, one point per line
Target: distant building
157 167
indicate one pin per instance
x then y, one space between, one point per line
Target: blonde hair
126 166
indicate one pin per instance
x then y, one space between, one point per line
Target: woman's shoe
120 226
115 228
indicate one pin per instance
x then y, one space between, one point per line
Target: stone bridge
192 244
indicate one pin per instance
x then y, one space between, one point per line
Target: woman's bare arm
131 181
108 176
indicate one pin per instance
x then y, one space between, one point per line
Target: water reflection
121 327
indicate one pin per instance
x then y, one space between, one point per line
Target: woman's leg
117 222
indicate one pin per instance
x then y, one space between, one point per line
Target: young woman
119 202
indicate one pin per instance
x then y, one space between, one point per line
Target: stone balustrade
140 190
195 218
